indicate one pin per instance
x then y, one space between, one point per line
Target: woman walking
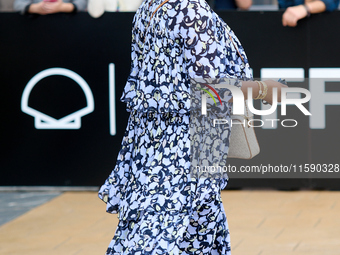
162 207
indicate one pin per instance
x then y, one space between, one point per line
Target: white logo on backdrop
71 121
112 99
318 77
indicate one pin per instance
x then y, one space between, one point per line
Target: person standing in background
49 6
299 9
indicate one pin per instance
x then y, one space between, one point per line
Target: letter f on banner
321 98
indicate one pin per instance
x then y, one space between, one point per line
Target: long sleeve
208 48
331 5
182 40
213 53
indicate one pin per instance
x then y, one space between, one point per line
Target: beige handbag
243 143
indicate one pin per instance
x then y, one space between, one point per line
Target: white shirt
96 8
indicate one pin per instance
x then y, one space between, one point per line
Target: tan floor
261 223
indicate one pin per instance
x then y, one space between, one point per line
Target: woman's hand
273 84
256 89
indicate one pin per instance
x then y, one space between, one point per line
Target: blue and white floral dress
162 208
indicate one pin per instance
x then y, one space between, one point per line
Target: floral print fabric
162 207
183 39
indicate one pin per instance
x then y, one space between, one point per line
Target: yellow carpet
261 223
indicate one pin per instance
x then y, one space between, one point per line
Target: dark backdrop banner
62 77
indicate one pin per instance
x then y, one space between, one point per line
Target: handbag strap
231 39
159 6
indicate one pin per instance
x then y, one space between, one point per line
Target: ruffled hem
153 166
180 101
129 210
195 195
204 228
137 100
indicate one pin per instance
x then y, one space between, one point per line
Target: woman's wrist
250 84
